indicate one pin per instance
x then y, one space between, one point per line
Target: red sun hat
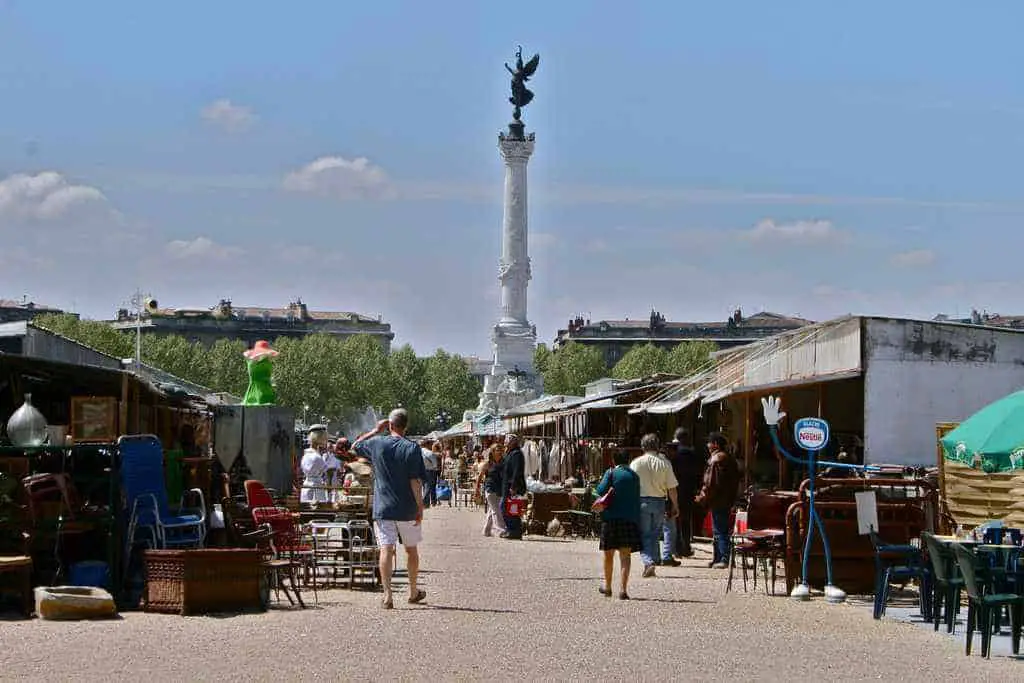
260 350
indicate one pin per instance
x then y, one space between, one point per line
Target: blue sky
805 158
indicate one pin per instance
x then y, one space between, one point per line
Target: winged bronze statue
521 95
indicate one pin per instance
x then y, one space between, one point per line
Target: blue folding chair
150 518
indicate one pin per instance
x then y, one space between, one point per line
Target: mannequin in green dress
261 390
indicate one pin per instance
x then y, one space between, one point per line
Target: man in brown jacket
718 493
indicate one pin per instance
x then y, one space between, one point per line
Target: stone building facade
253 323
614 338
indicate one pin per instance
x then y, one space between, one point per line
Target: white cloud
228 116
808 231
913 259
201 248
46 196
341 178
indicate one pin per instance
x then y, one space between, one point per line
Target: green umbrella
992 439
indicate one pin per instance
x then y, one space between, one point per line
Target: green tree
448 387
541 358
688 358
640 361
369 374
226 370
568 369
408 385
174 354
313 371
92 333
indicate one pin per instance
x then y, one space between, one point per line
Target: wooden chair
279 572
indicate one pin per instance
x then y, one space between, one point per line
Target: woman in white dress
314 467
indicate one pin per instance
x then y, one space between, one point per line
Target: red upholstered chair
257 495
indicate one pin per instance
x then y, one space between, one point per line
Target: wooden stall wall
973 497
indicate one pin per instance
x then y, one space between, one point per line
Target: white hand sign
772 410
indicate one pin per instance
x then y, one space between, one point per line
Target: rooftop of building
983 318
657 321
25 304
295 311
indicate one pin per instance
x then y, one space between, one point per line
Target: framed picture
93 419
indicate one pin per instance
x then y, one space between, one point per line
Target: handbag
515 506
602 503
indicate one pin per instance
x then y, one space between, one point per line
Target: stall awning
779 386
461 429
488 425
666 407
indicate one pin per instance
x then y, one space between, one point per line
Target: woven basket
202 581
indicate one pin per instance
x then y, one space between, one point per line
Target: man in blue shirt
398 476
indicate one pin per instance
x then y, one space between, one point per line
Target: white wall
921 373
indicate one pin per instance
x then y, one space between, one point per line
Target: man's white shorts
388 532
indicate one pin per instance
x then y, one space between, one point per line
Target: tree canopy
643 361
334 377
567 369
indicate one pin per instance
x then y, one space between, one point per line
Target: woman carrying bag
619 506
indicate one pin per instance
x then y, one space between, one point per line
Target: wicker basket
202 581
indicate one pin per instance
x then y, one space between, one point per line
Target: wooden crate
204 580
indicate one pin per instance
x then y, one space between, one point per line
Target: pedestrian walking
398 476
657 481
513 484
489 480
620 522
688 467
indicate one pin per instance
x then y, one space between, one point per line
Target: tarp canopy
464 428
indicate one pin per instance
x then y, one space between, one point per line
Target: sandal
387 604
623 596
420 596
604 591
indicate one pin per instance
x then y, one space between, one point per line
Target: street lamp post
138 302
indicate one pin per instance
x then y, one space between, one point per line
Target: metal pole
138 331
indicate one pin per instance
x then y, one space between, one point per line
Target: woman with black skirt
620 522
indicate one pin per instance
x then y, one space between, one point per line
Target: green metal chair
983 607
947 582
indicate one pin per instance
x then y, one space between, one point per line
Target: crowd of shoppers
652 502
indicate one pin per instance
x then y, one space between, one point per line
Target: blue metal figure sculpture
811 434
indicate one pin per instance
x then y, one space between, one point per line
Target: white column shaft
514 247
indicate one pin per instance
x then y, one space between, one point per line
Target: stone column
514 339
514 267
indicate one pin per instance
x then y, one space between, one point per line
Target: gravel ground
505 609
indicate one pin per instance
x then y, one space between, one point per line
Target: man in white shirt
657 480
